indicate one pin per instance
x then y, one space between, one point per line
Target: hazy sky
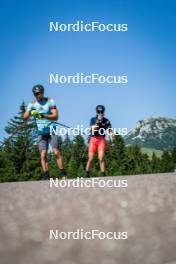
146 53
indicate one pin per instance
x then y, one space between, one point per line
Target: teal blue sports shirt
43 107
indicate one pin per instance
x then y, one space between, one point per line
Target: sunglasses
35 94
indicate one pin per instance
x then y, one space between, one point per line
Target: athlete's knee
90 159
101 159
56 153
43 155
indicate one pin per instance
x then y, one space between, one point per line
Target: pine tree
21 146
7 172
167 164
115 156
173 156
136 162
155 163
73 167
77 156
66 150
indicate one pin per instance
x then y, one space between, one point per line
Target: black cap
100 109
38 89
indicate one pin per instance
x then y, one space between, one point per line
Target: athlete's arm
26 115
110 135
110 131
94 126
53 116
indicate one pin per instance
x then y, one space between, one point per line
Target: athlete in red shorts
97 143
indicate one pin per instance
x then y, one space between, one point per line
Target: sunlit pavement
146 210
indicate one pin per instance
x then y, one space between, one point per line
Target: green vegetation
19 156
149 152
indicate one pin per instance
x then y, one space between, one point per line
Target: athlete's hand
36 114
112 143
98 121
95 127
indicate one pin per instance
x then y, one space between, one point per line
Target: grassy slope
150 151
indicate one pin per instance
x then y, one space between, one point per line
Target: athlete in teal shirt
43 107
46 113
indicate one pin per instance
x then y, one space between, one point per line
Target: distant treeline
19 155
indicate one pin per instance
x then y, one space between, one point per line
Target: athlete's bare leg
91 156
59 161
44 161
101 154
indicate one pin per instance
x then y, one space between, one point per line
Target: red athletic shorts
97 143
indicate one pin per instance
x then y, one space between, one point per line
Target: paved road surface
146 210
